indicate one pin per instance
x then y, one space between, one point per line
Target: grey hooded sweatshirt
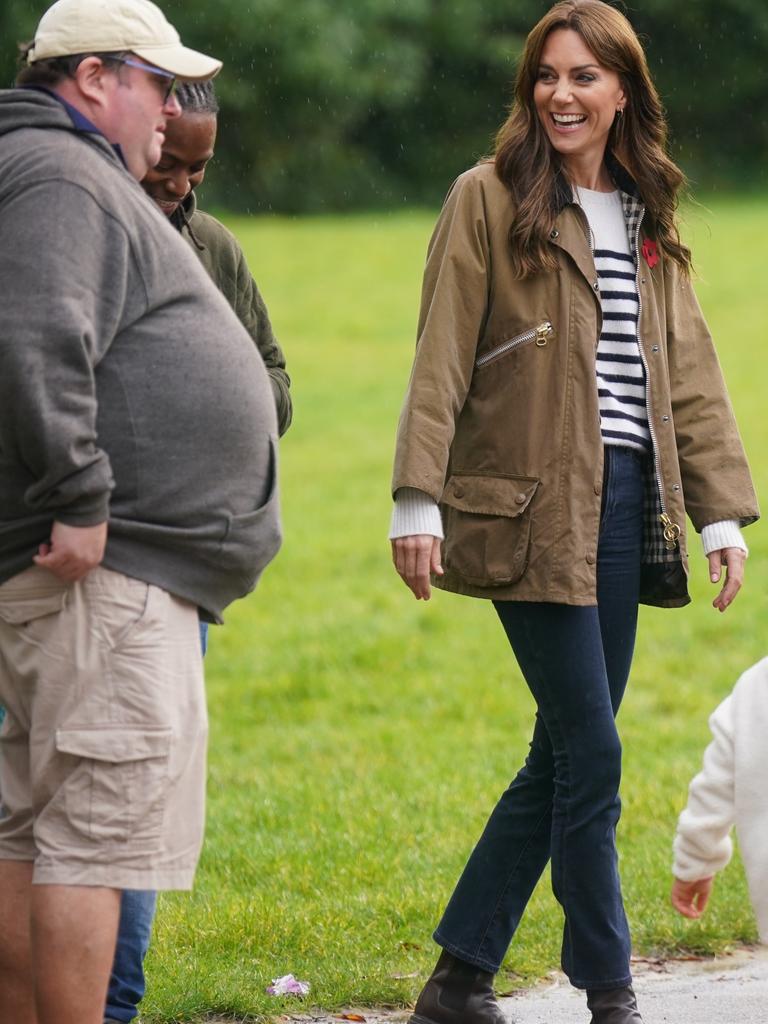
129 390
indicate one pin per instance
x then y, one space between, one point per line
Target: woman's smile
568 122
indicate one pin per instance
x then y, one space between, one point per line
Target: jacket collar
620 175
569 230
572 230
181 218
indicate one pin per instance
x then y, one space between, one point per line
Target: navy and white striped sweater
620 372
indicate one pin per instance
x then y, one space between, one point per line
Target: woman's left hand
733 559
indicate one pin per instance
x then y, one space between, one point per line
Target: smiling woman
577 101
557 430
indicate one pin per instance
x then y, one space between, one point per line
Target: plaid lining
654 546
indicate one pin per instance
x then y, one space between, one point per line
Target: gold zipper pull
542 333
671 532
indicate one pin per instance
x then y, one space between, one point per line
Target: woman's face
576 99
189 142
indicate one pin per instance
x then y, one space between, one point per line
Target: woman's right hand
415 557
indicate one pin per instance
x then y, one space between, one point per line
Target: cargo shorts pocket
117 787
33 594
487 523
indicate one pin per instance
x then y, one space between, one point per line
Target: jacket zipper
540 333
671 529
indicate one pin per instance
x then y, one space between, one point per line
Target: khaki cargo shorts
102 752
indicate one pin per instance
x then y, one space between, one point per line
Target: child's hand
690 898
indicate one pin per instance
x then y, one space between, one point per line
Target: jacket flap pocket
102 743
490 495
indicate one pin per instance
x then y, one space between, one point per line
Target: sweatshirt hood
33 108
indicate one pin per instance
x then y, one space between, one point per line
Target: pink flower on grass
287 986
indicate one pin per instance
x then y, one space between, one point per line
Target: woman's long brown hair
529 166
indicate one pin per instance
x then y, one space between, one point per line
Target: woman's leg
576 662
496 884
559 649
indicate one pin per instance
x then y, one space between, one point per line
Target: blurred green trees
328 104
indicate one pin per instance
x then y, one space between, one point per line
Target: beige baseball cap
112 26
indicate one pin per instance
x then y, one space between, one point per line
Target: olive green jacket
501 422
219 252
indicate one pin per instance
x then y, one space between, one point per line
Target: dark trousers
564 803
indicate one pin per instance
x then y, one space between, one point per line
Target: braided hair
197 97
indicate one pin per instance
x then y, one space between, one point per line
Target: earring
619 111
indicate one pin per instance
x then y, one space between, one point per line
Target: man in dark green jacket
171 184
188 147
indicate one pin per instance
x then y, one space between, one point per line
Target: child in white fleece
732 788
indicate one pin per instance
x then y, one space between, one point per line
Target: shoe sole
416 1018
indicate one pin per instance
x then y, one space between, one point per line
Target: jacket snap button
458 492
596 285
675 487
590 558
665 419
520 499
655 348
642 280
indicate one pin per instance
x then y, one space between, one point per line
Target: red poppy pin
651 253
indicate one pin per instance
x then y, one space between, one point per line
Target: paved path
726 990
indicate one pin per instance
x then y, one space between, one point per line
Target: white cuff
725 534
693 860
415 512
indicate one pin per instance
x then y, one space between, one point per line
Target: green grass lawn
359 738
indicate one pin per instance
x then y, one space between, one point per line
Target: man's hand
415 557
73 551
690 898
733 559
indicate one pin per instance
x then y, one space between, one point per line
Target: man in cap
137 473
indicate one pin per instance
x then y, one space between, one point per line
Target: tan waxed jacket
501 422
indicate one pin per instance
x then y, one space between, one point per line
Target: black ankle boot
613 1006
457 993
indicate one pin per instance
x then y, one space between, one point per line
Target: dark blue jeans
127 984
564 803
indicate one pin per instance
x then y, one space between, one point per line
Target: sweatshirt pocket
487 523
252 539
540 333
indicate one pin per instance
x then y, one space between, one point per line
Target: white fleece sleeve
703 844
415 512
